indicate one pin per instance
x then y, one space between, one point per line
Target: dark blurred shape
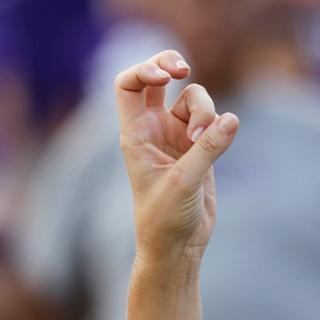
223 35
45 53
50 42
13 293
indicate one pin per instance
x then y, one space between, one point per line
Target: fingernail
197 133
162 74
228 123
182 65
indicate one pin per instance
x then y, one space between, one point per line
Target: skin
170 169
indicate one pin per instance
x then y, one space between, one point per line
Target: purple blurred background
66 230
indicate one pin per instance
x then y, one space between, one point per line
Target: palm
164 131
161 130
171 177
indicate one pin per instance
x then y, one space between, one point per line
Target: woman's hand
169 155
171 176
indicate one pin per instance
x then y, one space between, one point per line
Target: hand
169 156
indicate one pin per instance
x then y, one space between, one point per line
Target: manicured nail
182 65
228 123
162 74
197 133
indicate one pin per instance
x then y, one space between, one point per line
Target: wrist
164 291
180 268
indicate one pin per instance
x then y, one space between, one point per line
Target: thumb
213 142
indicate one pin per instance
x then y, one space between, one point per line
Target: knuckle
208 143
194 91
144 69
172 52
200 101
194 87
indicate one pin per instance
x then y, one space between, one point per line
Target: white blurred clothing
263 261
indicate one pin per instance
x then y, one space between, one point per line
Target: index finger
156 72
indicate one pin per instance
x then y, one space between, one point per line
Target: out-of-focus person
75 243
78 205
15 131
17 147
41 67
263 262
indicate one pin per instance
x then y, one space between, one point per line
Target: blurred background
66 229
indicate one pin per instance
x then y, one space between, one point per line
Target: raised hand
169 155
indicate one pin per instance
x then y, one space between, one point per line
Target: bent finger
209 147
195 107
157 72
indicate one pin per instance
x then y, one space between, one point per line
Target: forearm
165 292
169 155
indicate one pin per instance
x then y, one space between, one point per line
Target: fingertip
196 134
181 70
228 123
182 65
174 63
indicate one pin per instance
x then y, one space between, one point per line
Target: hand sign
169 155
